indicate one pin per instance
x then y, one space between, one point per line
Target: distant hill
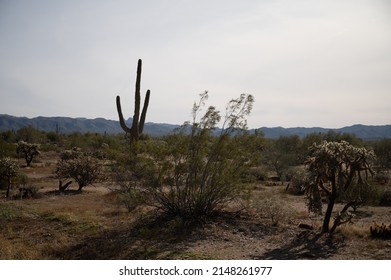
365 132
68 125
100 125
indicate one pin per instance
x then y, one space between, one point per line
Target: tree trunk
28 159
332 197
8 188
62 187
327 217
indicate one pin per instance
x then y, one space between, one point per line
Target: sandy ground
93 225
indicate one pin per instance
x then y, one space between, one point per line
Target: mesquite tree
84 169
138 121
334 167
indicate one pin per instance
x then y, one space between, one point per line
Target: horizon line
152 122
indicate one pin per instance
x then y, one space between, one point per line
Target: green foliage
271 207
334 167
53 137
281 154
81 167
205 171
10 212
30 134
6 149
299 179
382 151
192 173
332 136
361 191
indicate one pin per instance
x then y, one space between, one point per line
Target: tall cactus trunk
138 122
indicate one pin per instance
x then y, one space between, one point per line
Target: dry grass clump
272 207
352 231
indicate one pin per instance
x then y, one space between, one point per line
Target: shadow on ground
149 238
306 245
158 237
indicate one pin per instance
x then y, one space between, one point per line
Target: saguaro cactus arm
144 112
121 117
138 123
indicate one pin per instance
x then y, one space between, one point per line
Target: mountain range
100 125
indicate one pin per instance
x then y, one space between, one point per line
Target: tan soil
92 225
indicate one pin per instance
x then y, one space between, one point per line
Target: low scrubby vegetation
211 177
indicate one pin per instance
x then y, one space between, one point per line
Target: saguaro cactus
138 122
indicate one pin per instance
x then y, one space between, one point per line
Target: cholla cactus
28 150
8 170
138 122
333 167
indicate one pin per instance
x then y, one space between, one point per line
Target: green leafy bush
81 167
194 172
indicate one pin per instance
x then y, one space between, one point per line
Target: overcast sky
307 63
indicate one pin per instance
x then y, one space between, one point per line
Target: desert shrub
271 207
385 198
30 134
206 170
81 167
131 179
382 177
7 149
192 172
53 137
382 149
10 212
25 188
139 170
131 198
363 192
27 191
298 180
71 154
282 153
254 174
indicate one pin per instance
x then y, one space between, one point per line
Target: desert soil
93 225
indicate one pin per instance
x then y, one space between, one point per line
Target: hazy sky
307 63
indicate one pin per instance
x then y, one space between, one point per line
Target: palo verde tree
334 167
138 122
281 154
28 151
